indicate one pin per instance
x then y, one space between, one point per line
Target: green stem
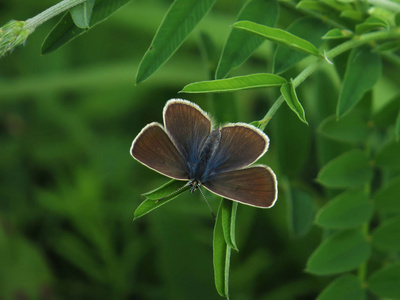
353 43
52 12
389 5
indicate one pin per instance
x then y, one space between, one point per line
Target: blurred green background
69 186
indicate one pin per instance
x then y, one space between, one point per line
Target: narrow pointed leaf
385 282
62 33
349 209
235 83
350 169
66 30
362 72
289 94
180 20
82 13
241 45
346 287
278 36
168 190
386 236
342 252
313 5
307 28
337 33
228 215
221 257
371 23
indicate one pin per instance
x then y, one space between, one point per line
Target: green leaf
278 36
241 45
228 216
389 46
371 23
352 128
346 287
66 30
350 169
307 28
349 209
82 13
387 198
235 83
221 257
181 18
166 189
385 282
313 5
337 34
386 236
353 15
387 115
170 191
389 156
362 72
289 94
62 33
300 212
337 5
343 251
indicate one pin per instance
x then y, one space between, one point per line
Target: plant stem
389 5
353 43
52 12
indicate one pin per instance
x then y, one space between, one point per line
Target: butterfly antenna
208 204
177 190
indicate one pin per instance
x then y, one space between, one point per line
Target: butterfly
188 148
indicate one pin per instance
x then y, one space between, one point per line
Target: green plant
337 64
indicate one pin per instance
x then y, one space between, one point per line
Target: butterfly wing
240 145
153 148
254 186
188 126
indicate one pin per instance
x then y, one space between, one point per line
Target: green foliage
240 45
180 20
278 36
343 251
289 94
385 282
69 188
235 83
346 287
351 169
349 209
362 72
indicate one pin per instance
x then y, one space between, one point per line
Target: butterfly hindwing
255 186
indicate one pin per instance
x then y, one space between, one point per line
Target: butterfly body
187 148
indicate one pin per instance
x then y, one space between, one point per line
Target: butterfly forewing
240 145
188 126
255 186
153 148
